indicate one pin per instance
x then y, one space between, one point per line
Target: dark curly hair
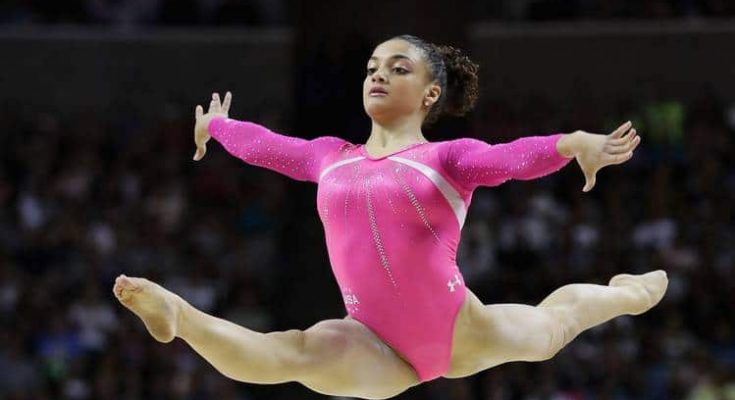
456 74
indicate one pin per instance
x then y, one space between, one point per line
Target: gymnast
392 211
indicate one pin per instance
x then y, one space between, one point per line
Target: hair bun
462 81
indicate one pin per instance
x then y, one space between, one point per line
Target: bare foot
156 306
647 289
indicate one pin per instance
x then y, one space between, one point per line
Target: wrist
213 121
567 145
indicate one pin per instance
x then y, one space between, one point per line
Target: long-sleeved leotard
392 224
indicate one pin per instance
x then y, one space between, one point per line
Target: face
400 71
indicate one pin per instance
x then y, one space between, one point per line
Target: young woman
392 210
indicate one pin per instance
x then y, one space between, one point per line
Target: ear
432 94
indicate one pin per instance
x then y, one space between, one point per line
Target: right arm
296 158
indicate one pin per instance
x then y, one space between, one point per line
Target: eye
371 70
400 70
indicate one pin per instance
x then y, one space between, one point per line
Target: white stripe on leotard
450 194
338 164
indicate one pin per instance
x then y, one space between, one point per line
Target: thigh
346 358
489 335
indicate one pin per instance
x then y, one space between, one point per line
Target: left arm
473 163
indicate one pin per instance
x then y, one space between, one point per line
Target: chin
378 113
375 110
378 109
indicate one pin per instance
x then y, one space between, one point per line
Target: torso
392 225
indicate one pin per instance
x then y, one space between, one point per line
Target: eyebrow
394 56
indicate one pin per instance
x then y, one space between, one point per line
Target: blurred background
96 179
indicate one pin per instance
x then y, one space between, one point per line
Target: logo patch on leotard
351 299
453 283
351 302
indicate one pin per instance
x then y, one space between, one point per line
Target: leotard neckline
367 155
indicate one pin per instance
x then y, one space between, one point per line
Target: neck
395 133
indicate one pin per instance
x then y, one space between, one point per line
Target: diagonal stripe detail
450 194
339 164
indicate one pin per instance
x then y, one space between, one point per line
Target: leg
490 335
336 357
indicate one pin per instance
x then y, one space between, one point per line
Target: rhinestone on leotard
376 234
415 202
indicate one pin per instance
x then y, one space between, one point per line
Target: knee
560 330
310 350
555 341
324 341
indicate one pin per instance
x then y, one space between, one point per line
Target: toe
126 283
125 288
120 292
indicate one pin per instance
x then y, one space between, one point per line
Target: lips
377 90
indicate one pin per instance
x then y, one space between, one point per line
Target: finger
632 143
620 141
213 106
617 149
632 134
227 102
635 142
619 158
624 148
198 111
621 130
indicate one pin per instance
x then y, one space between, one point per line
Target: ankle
183 311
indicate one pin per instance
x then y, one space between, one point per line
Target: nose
378 76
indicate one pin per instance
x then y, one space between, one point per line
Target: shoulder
331 143
331 140
467 142
330 149
452 149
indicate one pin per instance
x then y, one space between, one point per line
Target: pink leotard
392 223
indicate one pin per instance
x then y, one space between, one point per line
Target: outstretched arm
296 158
472 162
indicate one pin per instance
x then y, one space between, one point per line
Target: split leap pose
392 210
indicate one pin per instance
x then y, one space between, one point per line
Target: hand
201 127
595 151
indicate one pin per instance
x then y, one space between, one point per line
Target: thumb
590 179
199 154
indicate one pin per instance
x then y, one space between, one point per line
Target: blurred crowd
127 13
541 10
136 13
87 197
